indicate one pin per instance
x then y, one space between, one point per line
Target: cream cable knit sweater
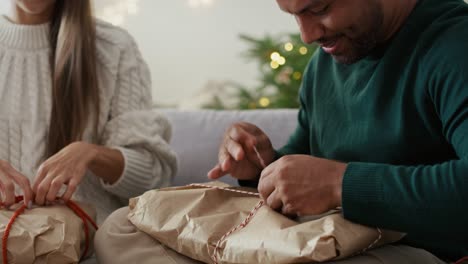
126 121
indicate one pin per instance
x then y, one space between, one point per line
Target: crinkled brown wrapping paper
52 234
191 220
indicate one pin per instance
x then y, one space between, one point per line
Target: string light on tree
281 60
303 50
264 102
275 56
274 65
276 60
297 75
288 46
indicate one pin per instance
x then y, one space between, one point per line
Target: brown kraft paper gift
51 234
220 226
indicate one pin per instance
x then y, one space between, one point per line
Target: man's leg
118 241
390 254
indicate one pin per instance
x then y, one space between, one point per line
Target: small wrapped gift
61 233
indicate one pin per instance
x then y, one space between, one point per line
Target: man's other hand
302 185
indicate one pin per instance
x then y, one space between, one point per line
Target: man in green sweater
382 129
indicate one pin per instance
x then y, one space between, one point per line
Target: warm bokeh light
297 75
274 64
281 61
288 46
264 102
275 56
303 50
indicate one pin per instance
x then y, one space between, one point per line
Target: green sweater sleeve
428 200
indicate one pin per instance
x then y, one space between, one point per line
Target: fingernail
30 204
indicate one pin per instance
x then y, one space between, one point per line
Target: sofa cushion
197 134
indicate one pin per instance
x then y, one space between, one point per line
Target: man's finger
268 170
266 185
216 173
227 164
234 149
240 134
274 201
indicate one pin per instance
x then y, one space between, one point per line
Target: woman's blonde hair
75 94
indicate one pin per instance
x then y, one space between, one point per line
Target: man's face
346 29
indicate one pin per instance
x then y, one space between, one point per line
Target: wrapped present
220 224
60 233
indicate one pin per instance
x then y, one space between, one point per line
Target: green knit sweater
399 117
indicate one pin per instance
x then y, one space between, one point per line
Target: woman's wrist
92 151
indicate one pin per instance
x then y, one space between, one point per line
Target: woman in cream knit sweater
75 118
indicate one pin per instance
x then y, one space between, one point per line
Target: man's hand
67 167
237 153
302 185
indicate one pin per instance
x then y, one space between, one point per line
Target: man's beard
363 44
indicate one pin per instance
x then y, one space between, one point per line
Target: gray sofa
197 135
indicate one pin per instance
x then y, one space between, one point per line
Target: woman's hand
8 177
68 167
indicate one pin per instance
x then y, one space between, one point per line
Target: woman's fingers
24 184
40 175
8 177
42 188
54 188
71 188
8 191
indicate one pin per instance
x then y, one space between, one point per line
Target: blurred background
198 57
221 54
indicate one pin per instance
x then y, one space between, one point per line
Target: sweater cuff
136 176
362 191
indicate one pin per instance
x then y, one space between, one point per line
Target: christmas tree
281 60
